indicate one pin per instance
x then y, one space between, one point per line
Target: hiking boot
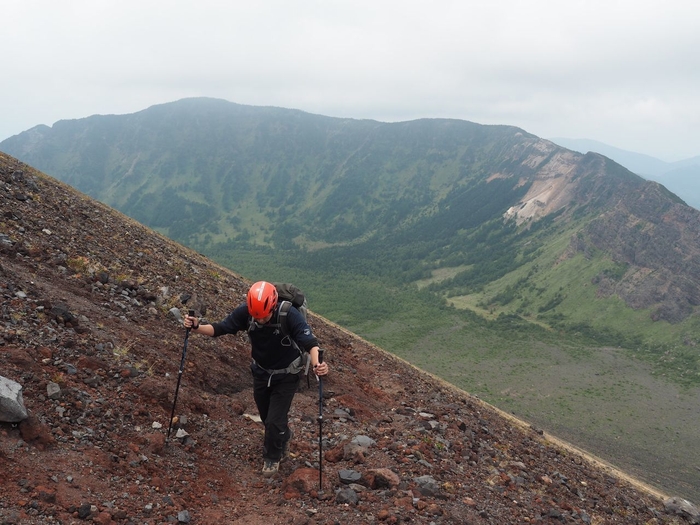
285 447
270 468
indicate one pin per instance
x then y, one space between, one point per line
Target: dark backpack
290 295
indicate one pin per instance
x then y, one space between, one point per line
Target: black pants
273 404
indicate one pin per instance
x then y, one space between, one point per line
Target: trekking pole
179 377
320 424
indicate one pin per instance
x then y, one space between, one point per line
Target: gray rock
176 314
12 408
363 441
676 505
347 496
53 390
348 476
427 486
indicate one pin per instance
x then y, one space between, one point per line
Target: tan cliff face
86 295
552 186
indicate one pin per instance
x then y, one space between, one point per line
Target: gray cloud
618 71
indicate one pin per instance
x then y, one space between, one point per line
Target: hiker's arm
205 329
320 369
233 323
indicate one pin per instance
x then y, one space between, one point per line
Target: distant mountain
681 177
481 217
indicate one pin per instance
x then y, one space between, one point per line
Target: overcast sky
623 72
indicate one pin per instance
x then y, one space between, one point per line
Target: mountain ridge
681 177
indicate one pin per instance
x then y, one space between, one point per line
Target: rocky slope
88 331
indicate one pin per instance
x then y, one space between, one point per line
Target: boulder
12 408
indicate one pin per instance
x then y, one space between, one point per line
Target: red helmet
262 299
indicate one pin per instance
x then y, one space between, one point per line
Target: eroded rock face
663 256
552 187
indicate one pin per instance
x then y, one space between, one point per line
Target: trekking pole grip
191 314
320 356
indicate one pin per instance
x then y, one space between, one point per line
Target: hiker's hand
191 322
321 369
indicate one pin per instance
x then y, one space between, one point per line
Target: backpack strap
294 368
282 313
284 328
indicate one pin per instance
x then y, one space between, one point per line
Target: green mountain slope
446 212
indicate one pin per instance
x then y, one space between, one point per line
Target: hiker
277 362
